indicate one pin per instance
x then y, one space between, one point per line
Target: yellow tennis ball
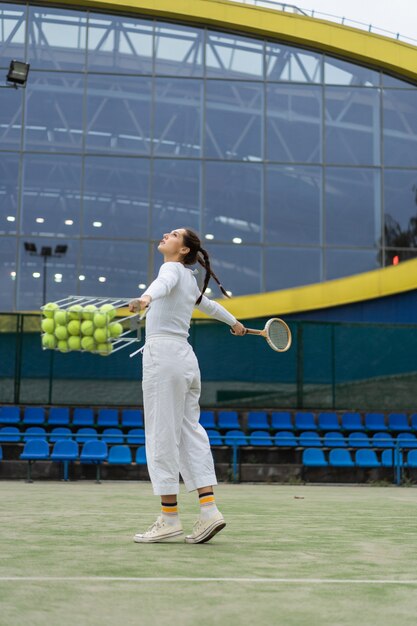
100 335
89 310
104 349
87 328
60 317
48 325
100 320
74 343
75 312
61 333
49 309
74 327
109 310
88 343
115 329
49 341
63 346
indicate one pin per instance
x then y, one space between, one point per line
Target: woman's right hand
139 304
239 329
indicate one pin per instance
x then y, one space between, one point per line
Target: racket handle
249 331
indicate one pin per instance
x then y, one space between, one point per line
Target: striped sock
170 513
208 506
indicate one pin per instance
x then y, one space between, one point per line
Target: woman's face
172 244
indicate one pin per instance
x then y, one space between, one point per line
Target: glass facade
295 167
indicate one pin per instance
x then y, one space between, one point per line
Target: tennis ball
61 333
49 309
100 320
75 312
104 349
89 310
74 343
108 309
100 335
63 346
115 329
87 328
48 325
60 317
88 343
74 327
49 341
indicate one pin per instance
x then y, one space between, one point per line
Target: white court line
314 581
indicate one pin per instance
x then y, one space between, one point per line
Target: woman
175 441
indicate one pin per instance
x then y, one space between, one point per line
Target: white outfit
176 443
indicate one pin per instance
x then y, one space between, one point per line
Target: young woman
176 443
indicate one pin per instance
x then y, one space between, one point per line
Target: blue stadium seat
312 457
35 449
260 438
352 422
59 416
214 438
328 421
308 439
65 450
94 452
34 432
359 440
59 433
389 456
305 421
228 420
366 458
375 422
83 417
334 440
412 458
120 455
9 415
136 436
340 458
34 415
382 440
281 420
112 435
1 453
258 420
285 438
141 456
9 434
413 419
235 437
132 418
407 440
207 419
85 434
108 417
398 423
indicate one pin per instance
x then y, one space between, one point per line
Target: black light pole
45 253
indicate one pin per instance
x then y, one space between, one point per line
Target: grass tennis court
291 555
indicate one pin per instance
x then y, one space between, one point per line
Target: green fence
329 366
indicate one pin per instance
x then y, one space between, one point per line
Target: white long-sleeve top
174 293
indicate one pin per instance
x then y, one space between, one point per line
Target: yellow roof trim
358 45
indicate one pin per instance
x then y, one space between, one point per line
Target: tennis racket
276 332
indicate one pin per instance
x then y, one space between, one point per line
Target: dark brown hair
197 254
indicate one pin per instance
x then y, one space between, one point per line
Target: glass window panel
400 204
352 126
340 263
12 33
178 113
11 119
51 196
178 50
400 127
233 201
353 207
234 113
293 205
9 198
294 123
7 273
61 273
57 39
237 267
293 64
291 267
54 112
123 265
119 44
338 72
116 197
230 56
118 114
390 81
176 190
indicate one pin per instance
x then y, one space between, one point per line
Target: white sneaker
204 530
160 532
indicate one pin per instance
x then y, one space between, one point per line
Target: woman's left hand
139 304
239 329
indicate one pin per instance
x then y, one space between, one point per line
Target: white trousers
176 443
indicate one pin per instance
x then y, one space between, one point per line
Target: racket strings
278 335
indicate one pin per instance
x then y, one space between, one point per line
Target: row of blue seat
92 452
60 416
313 457
11 434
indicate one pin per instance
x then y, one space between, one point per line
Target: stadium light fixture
18 73
45 253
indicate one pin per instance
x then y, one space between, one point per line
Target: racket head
278 335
